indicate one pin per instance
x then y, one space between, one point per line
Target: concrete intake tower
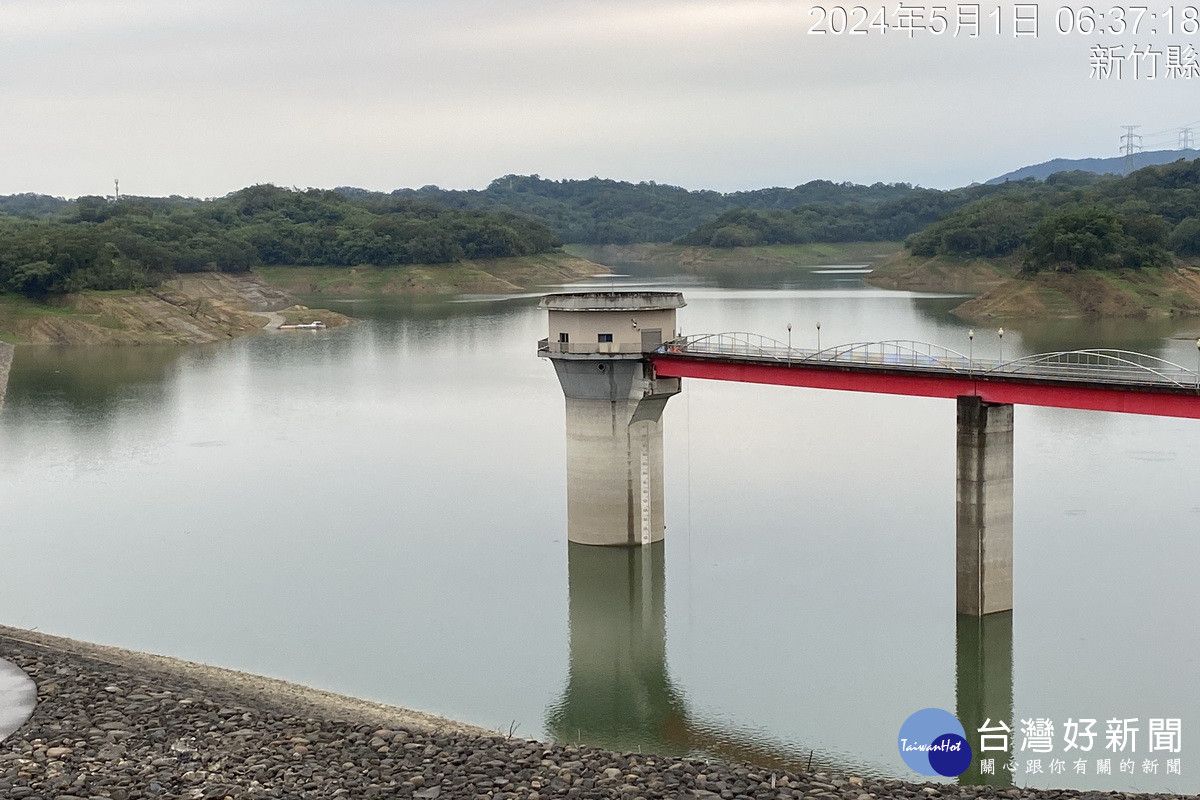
598 343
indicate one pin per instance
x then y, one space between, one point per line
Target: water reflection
89 383
984 687
618 692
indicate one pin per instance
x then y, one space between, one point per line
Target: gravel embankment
116 724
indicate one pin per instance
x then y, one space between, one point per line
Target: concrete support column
614 471
985 518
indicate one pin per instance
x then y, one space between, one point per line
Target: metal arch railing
1094 365
1109 365
891 352
735 343
895 352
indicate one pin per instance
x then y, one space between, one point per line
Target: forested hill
50 246
884 220
599 211
1077 221
1117 165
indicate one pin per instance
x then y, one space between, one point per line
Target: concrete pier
614 471
985 507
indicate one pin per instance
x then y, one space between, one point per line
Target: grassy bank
482 276
763 258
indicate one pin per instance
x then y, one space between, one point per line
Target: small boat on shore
305 326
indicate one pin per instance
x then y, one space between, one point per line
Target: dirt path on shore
274 320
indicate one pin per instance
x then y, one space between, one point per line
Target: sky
203 97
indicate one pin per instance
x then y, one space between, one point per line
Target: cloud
204 97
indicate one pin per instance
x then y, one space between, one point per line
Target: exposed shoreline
207 307
118 724
1003 293
255 689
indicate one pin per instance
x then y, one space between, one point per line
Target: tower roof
612 301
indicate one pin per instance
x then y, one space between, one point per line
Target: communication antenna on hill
1186 142
116 189
1130 143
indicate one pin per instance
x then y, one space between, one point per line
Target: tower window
603 337
564 338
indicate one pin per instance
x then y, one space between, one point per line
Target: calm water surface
380 511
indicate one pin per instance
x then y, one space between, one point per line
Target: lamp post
789 356
1001 332
818 336
971 350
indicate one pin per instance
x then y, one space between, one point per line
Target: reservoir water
380 511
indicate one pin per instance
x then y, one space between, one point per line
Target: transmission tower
1130 143
1186 142
116 189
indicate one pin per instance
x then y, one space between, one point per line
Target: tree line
1074 221
875 219
49 246
601 211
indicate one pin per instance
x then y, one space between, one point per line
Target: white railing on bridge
1095 366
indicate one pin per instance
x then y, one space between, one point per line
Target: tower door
651 339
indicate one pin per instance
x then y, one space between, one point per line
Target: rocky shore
115 724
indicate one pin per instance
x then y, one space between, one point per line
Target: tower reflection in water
618 693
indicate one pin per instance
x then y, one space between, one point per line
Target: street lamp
971 350
818 337
789 357
1001 332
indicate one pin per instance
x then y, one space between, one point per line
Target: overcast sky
202 97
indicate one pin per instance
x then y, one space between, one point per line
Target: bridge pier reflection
984 687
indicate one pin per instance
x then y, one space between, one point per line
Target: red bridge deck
1113 383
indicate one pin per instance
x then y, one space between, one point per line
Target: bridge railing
896 352
1111 366
1095 366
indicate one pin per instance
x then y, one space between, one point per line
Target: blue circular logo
933 742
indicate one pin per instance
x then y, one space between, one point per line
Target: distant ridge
1100 166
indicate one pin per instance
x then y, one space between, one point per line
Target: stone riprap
114 724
